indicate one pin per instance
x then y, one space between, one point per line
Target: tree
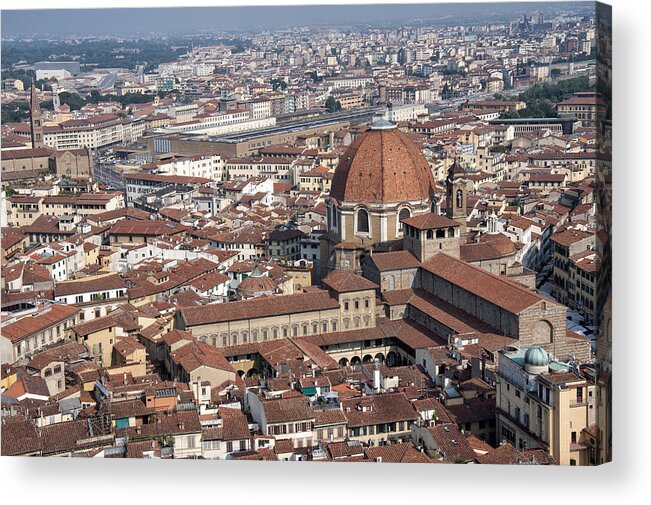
277 84
332 105
73 100
15 112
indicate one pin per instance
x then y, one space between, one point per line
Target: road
105 172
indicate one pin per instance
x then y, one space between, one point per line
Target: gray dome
536 356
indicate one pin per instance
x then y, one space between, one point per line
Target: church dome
536 356
382 165
256 284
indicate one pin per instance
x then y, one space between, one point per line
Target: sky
174 21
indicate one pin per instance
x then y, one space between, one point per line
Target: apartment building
543 403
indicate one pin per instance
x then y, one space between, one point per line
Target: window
362 221
404 214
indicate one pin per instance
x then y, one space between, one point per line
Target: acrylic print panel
368 233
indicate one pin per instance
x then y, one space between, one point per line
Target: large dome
382 165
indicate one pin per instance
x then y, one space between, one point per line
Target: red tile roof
344 281
499 291
258 307
41 320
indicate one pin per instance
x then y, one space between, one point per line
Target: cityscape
336 233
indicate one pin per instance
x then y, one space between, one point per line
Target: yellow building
319 179
545 404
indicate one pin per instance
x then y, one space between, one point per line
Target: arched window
334 215
404 214
392 282
362 221
459 199
430 234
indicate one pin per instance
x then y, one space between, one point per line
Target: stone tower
36 123
456 195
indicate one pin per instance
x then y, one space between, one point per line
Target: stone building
545 404
382 179
399 276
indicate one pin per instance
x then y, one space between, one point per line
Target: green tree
277 84
73 100
14 112
332 105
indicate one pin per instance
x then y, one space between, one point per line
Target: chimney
377 377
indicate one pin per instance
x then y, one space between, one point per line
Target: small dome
536 356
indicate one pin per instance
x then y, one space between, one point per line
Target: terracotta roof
397 453
378 409
490 246
41 320
235 426
288 409
503 293
382 166
125 321
16 154
506 454
210 280
451 443
19 436
196 355
123 212
430 221
257 284
258 307
344 281
394 260
151 228
90 284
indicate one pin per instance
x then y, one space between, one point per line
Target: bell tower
35 121
456 195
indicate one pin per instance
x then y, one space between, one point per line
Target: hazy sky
184 20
